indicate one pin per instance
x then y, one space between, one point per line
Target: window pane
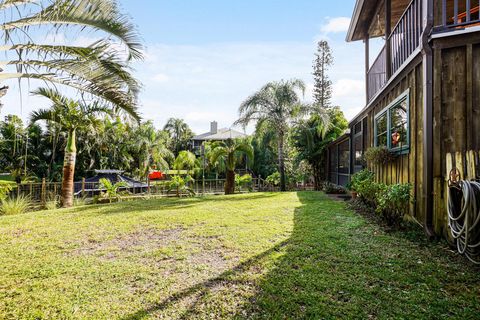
333 159
344 157
382 140
382 124
358 149
398 125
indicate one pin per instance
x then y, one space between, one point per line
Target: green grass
270 256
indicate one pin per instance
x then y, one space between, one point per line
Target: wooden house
423 96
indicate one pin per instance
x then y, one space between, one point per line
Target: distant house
216 134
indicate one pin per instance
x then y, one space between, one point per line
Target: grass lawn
271 256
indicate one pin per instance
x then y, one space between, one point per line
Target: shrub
274 179
393 202
17 205
110 190
364 183
181 186
5 189
330 188
379 155
243 181
358 179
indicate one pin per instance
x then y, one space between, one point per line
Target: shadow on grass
337 265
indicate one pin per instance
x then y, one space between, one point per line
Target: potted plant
352 190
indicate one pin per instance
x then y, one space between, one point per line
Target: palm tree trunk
69 170
230 182
281 162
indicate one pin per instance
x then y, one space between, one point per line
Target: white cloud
160 77
336 25
348 88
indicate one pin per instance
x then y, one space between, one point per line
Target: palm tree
229 153
186 160
180 133
152 148
277 105
100 69
71 116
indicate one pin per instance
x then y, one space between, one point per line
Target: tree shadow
338 265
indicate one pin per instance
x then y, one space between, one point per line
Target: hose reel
464 215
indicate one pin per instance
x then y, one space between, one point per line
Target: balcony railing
405 37
377 75
403 41
459 14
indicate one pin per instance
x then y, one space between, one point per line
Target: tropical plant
110 190
100 69
180 134
229 154
71 116
360 178
186 160
15 205
152 148
274 179
311 137
277 105
393 202
181 186
243 181
5 188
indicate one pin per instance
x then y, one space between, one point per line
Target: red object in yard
156 175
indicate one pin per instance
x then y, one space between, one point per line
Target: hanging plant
379 155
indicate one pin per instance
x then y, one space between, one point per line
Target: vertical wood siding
407 168
456 113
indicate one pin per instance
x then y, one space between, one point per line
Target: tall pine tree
322 92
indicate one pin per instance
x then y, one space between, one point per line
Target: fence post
83 187
43 192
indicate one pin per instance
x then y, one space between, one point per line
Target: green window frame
392 125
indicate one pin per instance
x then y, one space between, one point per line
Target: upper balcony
400 24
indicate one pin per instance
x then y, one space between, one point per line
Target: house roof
222 134
364 23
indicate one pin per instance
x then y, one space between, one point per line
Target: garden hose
464 218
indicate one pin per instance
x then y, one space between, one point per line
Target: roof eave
353 23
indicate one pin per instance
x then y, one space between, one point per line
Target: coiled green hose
464 218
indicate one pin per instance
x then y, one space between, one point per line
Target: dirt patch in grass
144 240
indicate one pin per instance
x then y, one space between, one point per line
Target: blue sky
204 57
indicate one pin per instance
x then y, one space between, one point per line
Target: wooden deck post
388 32
83 187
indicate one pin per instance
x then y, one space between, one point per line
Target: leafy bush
5 189
330 188
379 155
181 186
17 205
393 202
274 179
359 177
110 190
243 181
367 188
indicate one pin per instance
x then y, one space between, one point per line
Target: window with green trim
392 125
